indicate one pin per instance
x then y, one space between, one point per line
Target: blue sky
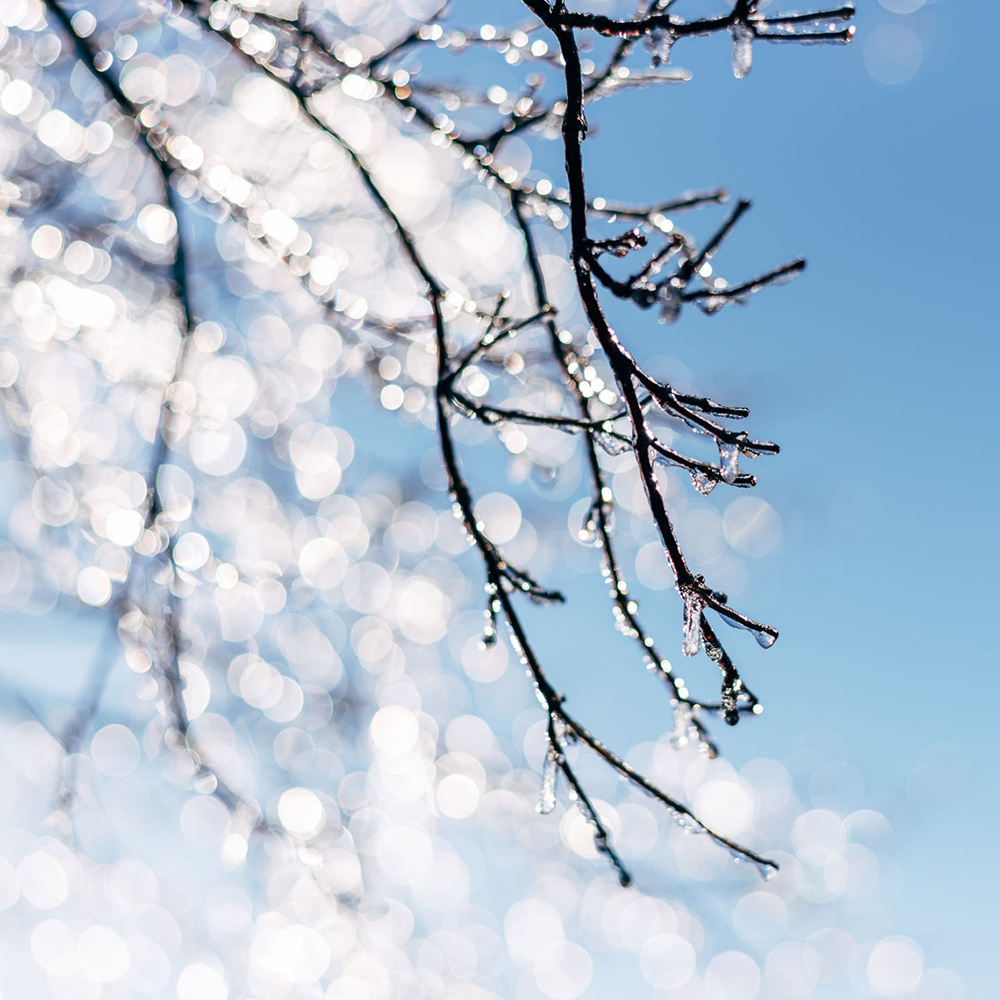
875 371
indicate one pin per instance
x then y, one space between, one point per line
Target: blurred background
331 663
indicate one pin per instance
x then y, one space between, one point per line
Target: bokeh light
275 756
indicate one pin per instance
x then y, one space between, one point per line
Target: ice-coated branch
502 580
744 24
618 411
305 43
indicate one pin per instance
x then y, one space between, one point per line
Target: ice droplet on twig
764 639
693 605
611 444
659 43
711 305
702 483
550 768
714 651
765 635
765 869
729 461
670 304
742 49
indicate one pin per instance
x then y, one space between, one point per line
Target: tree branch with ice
599 391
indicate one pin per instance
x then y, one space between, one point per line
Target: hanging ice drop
742 49
693 605
729 461
547 793
702 483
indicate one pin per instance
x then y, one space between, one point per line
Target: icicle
550 768
693 605
742 49
660 44
729 460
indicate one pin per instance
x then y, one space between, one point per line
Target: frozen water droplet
687 822
766 869
729 460
702 483
670 304
713 651
659 43
611 444
765 635
547 793
742 49
764 639
693 605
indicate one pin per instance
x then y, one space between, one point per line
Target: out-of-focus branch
157 541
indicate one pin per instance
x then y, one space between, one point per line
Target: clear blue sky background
876 371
